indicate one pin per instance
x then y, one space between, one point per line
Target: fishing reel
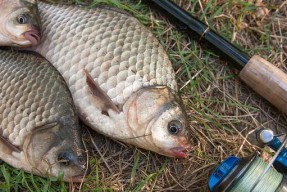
252 173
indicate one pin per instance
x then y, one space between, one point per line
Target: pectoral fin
7 147
102 100
41 140
46 126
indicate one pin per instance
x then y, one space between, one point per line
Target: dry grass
223 112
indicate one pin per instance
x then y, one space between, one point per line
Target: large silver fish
120 77
19 23
39 130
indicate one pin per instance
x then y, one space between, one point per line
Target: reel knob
265 136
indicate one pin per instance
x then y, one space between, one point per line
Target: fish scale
25 103
121 55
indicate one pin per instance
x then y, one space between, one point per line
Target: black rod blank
194 25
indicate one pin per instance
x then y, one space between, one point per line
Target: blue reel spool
232 169
229 172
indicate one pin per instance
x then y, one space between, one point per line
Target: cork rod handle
267 80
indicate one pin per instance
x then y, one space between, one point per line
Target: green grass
220 108
12 179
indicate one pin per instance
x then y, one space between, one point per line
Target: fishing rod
261 75
252 173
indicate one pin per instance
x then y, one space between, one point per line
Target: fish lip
33 36
180 152
78 178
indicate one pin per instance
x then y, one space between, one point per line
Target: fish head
20 23
54 151
157 114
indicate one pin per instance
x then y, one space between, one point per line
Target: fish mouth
180 152
33 36
78 178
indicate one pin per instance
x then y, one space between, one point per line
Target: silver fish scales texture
120 77
39 129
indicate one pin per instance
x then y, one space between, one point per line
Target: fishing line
136 137
269 181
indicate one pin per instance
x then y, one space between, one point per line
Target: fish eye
64 158
174 127
81 160
22 19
